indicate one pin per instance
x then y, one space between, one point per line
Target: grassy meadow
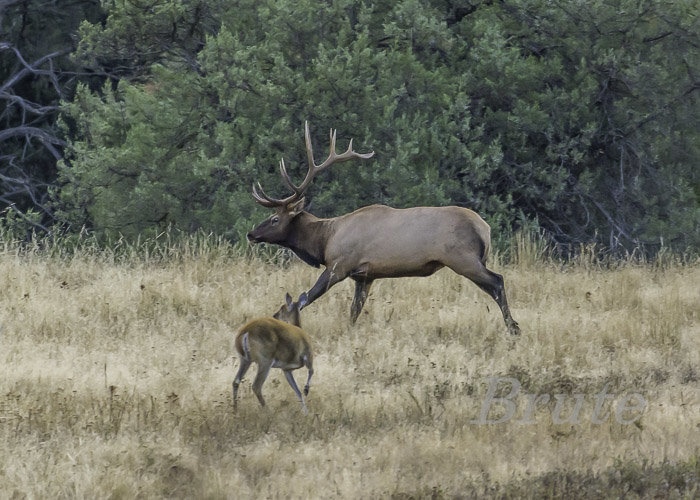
116 371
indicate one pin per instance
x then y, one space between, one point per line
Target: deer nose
251 238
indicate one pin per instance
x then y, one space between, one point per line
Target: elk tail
486 245
485 251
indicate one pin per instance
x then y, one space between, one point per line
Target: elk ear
296 208
303 299
290 302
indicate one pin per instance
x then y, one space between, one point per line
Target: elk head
276 228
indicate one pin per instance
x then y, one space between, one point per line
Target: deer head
276 227
289 312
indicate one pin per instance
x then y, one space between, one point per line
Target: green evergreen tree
578 117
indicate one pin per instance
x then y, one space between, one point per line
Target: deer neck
308 238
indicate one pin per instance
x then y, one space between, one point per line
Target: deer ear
297 207
290 302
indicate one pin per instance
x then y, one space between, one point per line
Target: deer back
270 338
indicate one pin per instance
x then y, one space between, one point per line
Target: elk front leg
328 278
358 302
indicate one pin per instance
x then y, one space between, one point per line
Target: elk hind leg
492 284
358 302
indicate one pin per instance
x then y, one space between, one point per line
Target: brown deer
277 342
378 241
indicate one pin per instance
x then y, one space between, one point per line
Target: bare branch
30 68
13 207
27 105
40 134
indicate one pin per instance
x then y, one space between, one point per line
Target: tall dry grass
115 381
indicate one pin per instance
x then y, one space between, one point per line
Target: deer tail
246 347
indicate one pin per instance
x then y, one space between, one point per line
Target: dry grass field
116 371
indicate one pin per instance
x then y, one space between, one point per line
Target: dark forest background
578 120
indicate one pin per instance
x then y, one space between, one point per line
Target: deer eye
275 219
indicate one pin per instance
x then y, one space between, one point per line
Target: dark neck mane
308 238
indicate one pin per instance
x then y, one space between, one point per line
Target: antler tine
333 157
270 202
285 176
263 199
332 154
309 148
353 154
313 168
348 155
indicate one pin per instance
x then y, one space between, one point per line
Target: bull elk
277 342
378 241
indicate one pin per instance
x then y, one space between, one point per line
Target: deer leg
263 371
358 302
327 279
492 284
310 368
245 364
292 382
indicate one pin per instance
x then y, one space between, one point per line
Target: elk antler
270 202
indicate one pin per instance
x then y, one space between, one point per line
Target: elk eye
275 220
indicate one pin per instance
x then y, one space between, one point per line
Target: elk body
378 241
276 342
